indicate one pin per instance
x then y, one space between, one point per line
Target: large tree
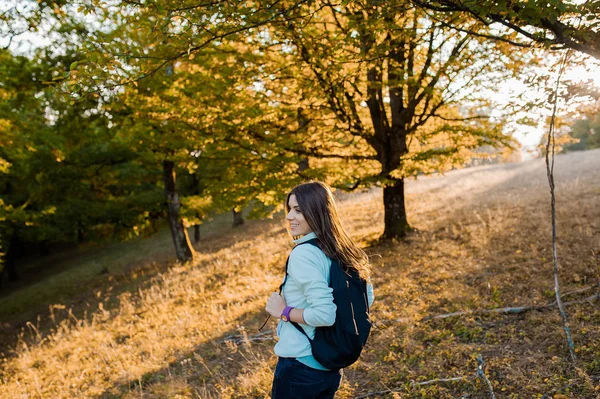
388 89
180 93
384 87
191 118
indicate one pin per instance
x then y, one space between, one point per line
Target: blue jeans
294 380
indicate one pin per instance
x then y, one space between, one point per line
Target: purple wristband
285 315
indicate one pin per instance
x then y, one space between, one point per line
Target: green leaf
74 65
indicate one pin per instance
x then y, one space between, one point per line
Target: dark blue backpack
340 345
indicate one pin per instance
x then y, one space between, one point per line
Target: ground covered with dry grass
483 241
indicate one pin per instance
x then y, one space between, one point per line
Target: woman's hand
275 305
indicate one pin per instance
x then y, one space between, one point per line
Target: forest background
138 115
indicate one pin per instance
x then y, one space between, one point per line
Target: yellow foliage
4 165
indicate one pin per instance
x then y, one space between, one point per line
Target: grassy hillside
483 242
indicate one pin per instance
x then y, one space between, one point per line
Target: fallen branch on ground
435 381
241 338
580 290
508 310
480 374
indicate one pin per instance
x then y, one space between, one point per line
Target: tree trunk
9 268
303 122
44 248
196 191
79 234
183 246
196 233
396 224
302 165
238 220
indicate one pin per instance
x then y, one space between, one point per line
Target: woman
306 296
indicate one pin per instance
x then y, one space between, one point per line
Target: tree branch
205 43
585 41
468 118
477 34
428 90
508 310
479 374
311 151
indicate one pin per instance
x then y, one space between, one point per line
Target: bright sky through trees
530 136
586 72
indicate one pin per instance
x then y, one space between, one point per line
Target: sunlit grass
483 241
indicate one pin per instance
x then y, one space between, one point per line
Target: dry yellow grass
483 242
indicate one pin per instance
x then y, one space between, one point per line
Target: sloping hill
483 242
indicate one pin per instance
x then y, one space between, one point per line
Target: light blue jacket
307 287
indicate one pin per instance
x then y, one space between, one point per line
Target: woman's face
298 224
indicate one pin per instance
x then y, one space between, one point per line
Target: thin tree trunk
238 220
44 248
396 224
9 268
196 191
302 165
183 246
303 122
79 234
196 233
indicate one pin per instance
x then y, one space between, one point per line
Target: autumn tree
357 82
586 133
357 93
179 94
192 117
388 90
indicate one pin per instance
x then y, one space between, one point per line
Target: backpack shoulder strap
299 328
316 244
287 262
312 241
284 277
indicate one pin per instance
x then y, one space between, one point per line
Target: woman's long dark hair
317 204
